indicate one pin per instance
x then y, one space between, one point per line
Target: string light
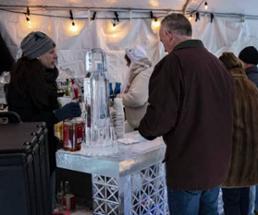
74 27
116 16
164 12
94 15
28 20
71 17
114 23
115 20
190 17
206 5
27 15
155 22
153 17
242 19
155 25
197 16
211 17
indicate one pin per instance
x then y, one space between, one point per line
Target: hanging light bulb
115 20
27 15
114 23
190 17
155 22
73 27
197 16
28 21
206 5
112 27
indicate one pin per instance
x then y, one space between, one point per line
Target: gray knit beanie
36 44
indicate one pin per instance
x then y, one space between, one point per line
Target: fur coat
244 160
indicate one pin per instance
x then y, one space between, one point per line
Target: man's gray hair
177 22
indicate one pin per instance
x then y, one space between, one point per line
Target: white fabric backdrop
224 34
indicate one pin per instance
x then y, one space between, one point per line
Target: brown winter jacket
244 161
190 105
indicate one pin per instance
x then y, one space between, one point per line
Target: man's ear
169 34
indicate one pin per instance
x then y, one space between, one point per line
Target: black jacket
252 73
33 95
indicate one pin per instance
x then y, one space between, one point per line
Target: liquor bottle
75 90
69 198
68 90
60 197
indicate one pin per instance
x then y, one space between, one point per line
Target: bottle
68 90
58 128
111 92
117 89
75 90
69 198
119 117
60 197
68 135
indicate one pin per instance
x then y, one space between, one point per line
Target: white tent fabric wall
223 34
226 34
95 34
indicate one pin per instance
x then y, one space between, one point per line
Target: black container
24 169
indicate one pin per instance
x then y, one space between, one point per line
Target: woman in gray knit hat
32 91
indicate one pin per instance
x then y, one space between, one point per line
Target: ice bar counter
129 182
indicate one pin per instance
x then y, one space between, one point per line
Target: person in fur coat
244 160
135 95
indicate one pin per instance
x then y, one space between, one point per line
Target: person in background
135 95
249 56
32 92
6 60
190 106
244 160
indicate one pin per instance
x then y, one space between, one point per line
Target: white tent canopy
234 27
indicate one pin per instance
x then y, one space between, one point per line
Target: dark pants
236 201
204 202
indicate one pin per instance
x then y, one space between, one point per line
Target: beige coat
244 161
135 96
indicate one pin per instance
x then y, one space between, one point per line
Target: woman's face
49 59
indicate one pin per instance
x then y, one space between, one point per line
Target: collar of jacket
252 69
189 44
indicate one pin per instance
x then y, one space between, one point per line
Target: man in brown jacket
190 105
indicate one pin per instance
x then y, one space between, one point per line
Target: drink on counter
73 134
